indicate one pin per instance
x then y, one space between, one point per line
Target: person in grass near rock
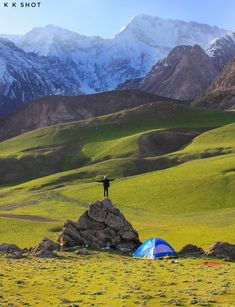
106 185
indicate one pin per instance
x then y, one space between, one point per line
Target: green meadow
105 279
185 196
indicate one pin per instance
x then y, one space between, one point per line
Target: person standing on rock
106 185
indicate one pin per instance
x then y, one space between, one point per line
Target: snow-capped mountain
222 49
52 60
105 63
26 76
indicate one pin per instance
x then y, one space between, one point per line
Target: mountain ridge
93 64
52 110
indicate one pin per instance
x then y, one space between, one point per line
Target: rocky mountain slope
184 74
26 76
221 94
58 109
222 49
58 61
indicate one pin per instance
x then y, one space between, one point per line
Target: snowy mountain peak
50 39
221 42
169 32
222 49
51 31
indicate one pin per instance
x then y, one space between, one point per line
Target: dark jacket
105 182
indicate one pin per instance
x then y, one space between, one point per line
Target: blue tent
154 248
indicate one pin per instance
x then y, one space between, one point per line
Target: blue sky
107 17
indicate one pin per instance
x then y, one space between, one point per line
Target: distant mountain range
51 60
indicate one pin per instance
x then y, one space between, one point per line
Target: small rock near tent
222 250
191 249
155 248
46 249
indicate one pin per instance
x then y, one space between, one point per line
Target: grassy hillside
181 203
221 138
79 144
114 126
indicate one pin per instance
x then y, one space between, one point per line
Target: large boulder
102 226
222 250
46 249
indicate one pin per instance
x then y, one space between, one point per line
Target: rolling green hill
223 137
80 144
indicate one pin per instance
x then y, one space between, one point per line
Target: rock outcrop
102 226
222 250
46 249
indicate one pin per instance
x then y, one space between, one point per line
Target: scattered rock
222 250
191 249
46 244
102 226
45 253
46 249
9 248
15 255
83 252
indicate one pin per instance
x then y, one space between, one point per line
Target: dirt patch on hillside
211 263
34 218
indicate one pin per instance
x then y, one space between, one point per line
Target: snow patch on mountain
222 49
